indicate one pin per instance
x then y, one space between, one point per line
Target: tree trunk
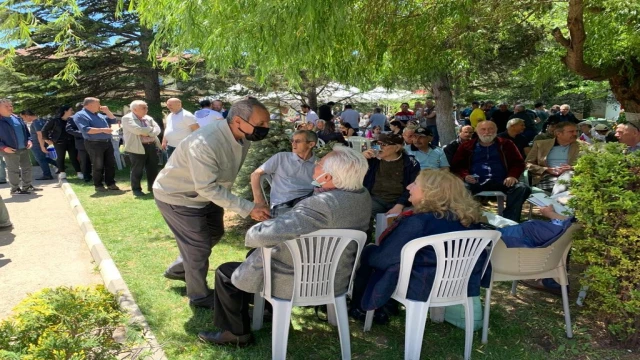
625 85
312 97
444 109
151 78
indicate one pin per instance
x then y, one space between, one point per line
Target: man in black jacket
466 133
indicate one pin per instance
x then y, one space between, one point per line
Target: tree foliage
67 51
606 186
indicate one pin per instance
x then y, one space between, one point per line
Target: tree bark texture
624 83
151 79
443 97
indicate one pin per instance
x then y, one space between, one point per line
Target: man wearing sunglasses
291 174
629 134
194 189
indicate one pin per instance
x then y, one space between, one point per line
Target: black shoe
31 188
19 192
88 180
138 193
113 187
45 178
379 316
225 338
3 182
171 276
101 189
6 227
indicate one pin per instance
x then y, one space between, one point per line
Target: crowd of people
405 174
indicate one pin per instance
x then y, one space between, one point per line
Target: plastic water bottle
51 152
581 295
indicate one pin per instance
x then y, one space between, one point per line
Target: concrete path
45 248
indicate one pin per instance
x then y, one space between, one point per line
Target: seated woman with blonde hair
441 204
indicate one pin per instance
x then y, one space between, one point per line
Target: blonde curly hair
443 194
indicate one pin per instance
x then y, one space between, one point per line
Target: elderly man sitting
337 203
515 128
490 163
427 155
291 174
466 133
553 159
629 134
407 134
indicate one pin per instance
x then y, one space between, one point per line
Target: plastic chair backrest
522 261
265 179
315 261
320 143
357 142
457 253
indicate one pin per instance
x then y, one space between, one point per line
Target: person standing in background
83 156
55 131
179 124
14 145
39 148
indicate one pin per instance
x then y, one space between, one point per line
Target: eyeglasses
299 141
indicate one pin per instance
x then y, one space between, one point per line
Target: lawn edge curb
109 272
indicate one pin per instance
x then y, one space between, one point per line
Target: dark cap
423 132
390 139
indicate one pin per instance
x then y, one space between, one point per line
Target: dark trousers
148 162
516 196
231 309
103 162
85 163
170 150
196 231
63 148
43 160
436 137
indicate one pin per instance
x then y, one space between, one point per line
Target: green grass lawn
529 326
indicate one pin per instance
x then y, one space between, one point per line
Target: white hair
347 167
135 103
514 121
566 105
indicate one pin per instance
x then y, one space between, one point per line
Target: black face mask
257 134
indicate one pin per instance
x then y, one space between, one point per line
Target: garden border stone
111 276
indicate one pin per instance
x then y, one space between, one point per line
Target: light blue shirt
85 119
291 176
19 130
378 119
352 117
559 155
433 159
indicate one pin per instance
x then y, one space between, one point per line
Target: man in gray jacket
337 203
194 188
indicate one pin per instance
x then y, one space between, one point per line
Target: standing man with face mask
194 188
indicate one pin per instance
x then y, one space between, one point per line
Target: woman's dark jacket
385 260
55 130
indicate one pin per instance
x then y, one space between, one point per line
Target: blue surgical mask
315 182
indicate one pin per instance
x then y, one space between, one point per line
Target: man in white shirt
309 114
178 125
206 115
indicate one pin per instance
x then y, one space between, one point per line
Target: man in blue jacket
15 143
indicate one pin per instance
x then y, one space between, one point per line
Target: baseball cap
390 139
586 122
423 132
601 127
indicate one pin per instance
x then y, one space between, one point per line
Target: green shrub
606 186
63 323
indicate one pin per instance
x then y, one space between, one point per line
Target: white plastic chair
320 143
315 262
265 179
499 195
531 263
457 253
356 142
